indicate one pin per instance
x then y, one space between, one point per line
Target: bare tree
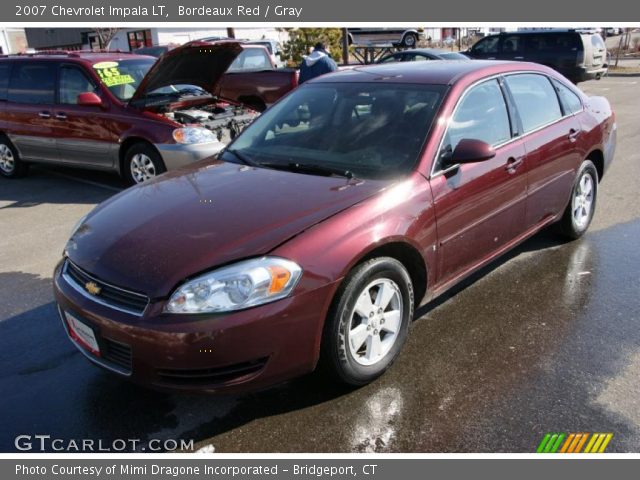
105 35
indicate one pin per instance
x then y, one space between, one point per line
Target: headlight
192 135
242 285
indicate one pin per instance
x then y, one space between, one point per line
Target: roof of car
434 51
538 31
91 57
434 73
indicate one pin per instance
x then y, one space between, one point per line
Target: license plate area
83 334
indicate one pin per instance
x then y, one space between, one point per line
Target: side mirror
89 99
470 150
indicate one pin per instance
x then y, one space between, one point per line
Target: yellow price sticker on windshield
111 75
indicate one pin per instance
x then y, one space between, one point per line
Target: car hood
195 63
152 237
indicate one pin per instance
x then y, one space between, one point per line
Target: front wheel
142 163
369 322
579 212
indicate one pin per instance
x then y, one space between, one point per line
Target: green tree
302 40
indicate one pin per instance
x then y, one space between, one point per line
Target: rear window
535 99
553 42
32 82
512 44
571 103
251 59
5 70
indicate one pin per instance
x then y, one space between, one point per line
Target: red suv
116 111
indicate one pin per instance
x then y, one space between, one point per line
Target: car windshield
123 77
365 130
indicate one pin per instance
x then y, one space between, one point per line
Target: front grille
109 295
212 376
117 353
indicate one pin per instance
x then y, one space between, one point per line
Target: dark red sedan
313 237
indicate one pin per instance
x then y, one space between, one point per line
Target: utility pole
345 46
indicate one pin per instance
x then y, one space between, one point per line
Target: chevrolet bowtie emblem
92 288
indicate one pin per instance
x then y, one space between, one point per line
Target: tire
142 163
579 212
11 166
409 40
350 352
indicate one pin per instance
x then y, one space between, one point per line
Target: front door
84 137
480 206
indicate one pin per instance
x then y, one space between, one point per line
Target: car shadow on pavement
490 368
53 186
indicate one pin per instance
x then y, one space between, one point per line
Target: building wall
52 38
13 40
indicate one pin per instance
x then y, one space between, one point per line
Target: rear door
551 135
480 207
30 103
84 137
512 47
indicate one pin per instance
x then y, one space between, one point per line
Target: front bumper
249 349
176 155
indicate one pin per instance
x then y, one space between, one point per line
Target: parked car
124 112
254 79
155 50
578 56
613 31
273 47
421 54
316 234
406 37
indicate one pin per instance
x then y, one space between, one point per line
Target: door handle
44 115
61 116
513 164
518 58
573 134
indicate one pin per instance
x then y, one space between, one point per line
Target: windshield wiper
242 157
310 168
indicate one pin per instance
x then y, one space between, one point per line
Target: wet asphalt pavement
547 339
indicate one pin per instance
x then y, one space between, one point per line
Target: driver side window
481 115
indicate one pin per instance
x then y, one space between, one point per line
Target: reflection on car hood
151 237
195 63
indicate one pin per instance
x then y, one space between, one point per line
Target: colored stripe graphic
573 442
567 443
583 439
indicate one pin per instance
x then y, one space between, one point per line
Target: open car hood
194 63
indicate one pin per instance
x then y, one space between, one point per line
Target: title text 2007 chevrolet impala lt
314 235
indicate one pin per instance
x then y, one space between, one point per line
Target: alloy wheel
375 321
142 168
7 161
582 202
